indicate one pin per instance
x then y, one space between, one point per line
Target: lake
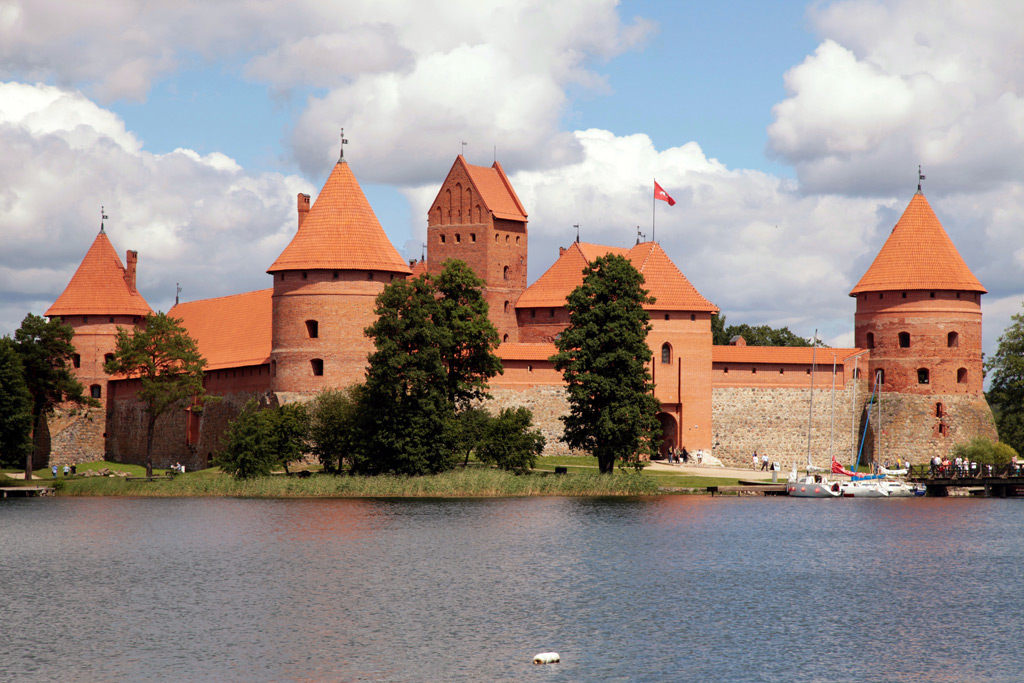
662 589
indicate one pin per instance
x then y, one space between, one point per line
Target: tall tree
603 356
15 408
467 337
46 351
262 438
167 362
405 415
1006 388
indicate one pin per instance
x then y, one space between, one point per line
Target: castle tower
919 314
477 218
325 284
100 297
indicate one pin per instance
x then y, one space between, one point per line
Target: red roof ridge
340 232
494 189
918 254
231 331
100 286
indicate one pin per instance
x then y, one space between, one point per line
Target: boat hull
807 487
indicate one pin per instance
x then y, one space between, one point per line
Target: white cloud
198 220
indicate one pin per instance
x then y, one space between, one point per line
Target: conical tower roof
99 286
918 255
340 232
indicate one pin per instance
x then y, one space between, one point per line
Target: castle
918 333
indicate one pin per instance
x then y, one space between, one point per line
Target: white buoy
546 658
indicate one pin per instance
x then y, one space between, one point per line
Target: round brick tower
100 297
919 314
325 284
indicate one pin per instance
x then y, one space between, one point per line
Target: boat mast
810 408
877 379
832 427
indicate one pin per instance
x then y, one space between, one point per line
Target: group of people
680 457
962 467
179 468
68 469
762 461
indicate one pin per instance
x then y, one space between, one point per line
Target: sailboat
812 485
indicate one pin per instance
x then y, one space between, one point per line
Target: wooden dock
25 491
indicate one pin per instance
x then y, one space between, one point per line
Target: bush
510 443
334 418
984 452
261 439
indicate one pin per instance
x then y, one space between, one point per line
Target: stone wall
773 421
76 435
548 404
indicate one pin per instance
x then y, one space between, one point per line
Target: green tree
161 354
470 429
510 442
15 408
759 335
334 421
984 452
467 337
260 439
603 356
46 351
405 418
1006 387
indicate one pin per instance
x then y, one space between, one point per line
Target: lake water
664 589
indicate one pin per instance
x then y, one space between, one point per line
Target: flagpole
654 208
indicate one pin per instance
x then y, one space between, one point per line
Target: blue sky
788 132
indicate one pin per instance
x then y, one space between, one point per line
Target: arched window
879 376
953 340
318 366
108 357
505 272
442 238
458 238
922 375
938 410
76 360
961 376
95 391
505 338
666 353
693 316
472 237
506 239
312 329
904 340
870 340
506 307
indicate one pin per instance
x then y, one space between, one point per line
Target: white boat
864 488
812 486
900 489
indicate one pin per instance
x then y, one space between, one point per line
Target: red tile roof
494 188
231 331
510 351
918 255
670 288
99 287
340 232
795 355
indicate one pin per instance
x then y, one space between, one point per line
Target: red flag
660 193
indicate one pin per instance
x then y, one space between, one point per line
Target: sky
789 134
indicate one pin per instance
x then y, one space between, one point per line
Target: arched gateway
668 433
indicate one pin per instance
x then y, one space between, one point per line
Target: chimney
561 250
303 207
130 258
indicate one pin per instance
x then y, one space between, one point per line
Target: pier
999 481
25 491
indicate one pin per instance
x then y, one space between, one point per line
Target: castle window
505 338
880 376
870 341
938 410
472 237
904 295
111 318
753 371
782 371
533 312
880 295
529 368
85 319
932 294
693 316
666 354
942 429
318 366
904 340
808 371
369 275
952 340
726 370
958 295
517 239
961 376
442 238
95 391
922 375
506 239
303 275
335 275
312 329
551 313
495 237
506 307
76 360
666 316
505 272
856 373
108 357
458 238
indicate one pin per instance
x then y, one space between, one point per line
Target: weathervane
103 217
177 293
463 152
577 226
920 177
344 142
639 235
423 251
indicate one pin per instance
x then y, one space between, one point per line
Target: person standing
753 466
54 471
764 462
